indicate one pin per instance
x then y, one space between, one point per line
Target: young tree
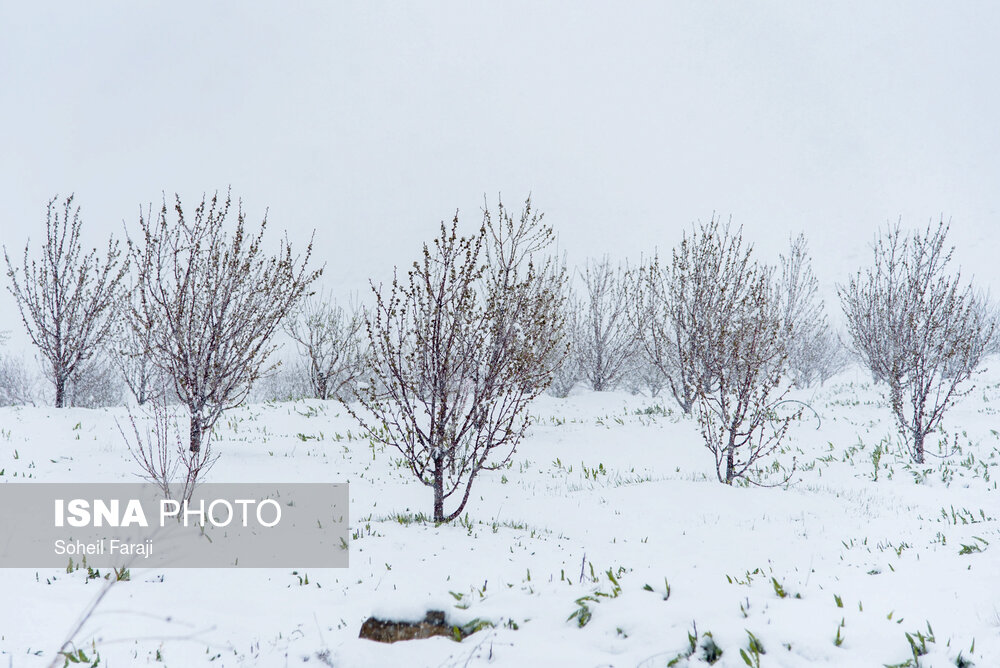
712 324
814 353
661 322
735 346
329 340
67 302
217 298
645 376
607 342
286 380
459 348
17 385
130 352
917 328
160 453
564 360
993 318
94 384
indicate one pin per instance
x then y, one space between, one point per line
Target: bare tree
130 352
645 376
459 348
713 325
564 360
285 380
217 299
657 359
17 384
814 353
94 384
826 356
607 343
161 454
875 305
737 347
67 302
662 322
917 328
993 316
329 340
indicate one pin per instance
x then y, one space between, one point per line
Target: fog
371 122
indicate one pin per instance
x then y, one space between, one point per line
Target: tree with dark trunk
67 302
216 297
459 348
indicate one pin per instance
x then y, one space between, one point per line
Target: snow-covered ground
610 502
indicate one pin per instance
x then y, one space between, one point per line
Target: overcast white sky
371 121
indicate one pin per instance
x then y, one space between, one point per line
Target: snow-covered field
609 509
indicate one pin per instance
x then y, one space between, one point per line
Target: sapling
67 302
918 327
717 325
217 298
605 343
460 347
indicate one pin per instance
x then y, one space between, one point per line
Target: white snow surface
602 482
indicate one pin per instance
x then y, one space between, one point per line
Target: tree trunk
682 399
142 396
60 391
196 432
918 447
439 489
731 454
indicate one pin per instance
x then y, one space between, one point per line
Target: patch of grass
710 651
745 580
79 657
751 655
583 613
692 647
962 662
666 589
978 546
410 518
918 648
779 589
459 632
